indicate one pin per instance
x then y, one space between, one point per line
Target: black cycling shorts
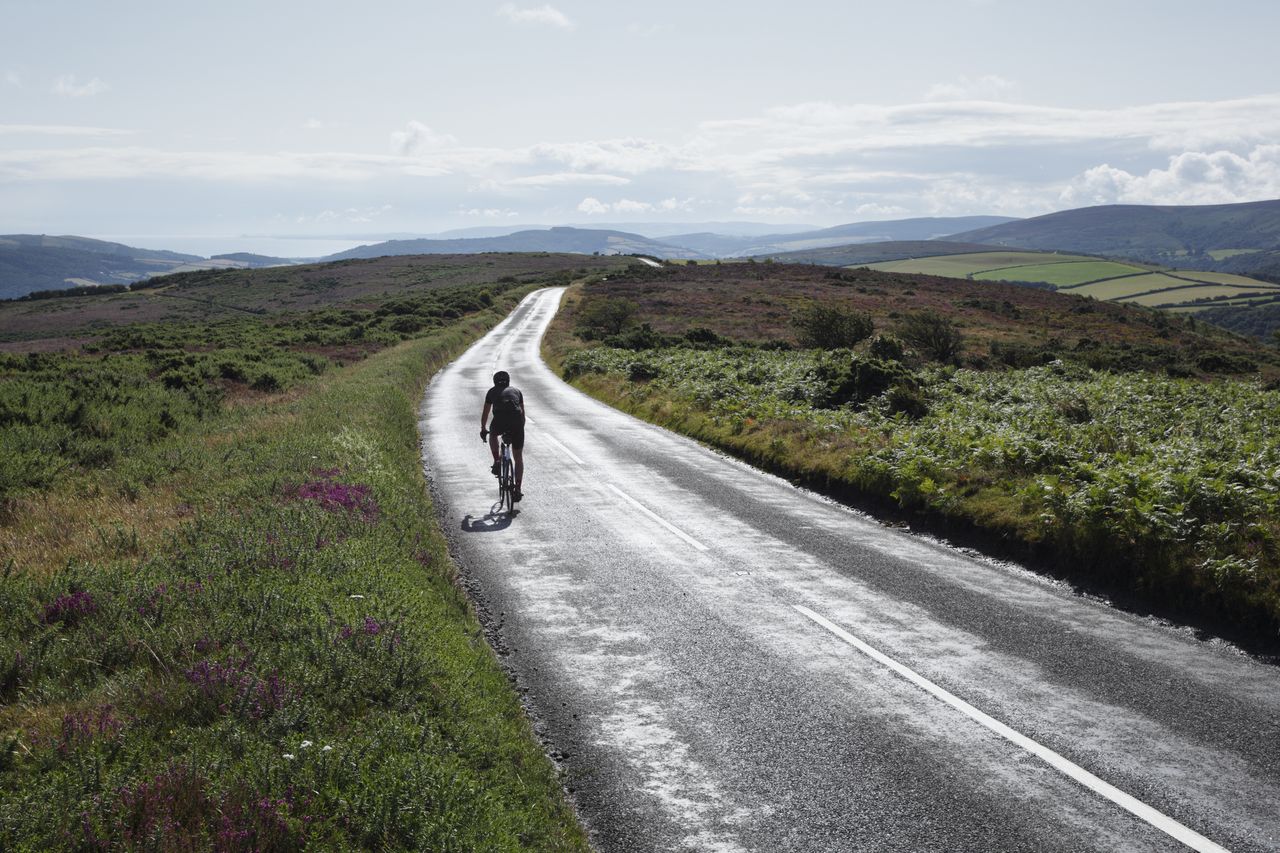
513 432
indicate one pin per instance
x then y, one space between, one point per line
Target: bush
933 334
830 327
887 348
907 398
856 380
600 317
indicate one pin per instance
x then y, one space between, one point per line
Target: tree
829 327
933 334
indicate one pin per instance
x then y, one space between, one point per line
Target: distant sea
277 247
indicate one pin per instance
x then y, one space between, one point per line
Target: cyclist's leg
493 444
517 453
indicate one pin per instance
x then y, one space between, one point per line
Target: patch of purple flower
231 686
351 498
69 609
178 810
83 727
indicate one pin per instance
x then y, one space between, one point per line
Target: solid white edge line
1159 820
676 530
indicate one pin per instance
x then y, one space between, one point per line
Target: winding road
722 662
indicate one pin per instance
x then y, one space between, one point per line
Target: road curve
722 662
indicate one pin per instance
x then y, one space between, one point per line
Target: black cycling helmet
502 379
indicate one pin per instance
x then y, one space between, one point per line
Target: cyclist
507 405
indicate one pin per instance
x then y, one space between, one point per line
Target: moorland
228 616
1129 449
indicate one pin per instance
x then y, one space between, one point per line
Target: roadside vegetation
1133 449
235 626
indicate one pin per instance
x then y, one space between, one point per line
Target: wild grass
1164 486
287 663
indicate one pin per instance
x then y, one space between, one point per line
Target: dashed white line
676 530
566 451
1159 820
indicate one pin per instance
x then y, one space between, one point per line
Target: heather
289 662
1160 485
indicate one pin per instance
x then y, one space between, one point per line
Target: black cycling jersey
508 413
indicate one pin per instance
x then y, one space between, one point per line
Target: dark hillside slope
1142 231
578 240
858 254
32 262
927 228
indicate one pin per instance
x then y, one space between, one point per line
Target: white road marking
676 530
566 451
1159 820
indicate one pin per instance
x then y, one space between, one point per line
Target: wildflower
304 744
326 748
70 608
289 756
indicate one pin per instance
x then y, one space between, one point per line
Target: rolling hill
929 228
1241 238
32 262
577 240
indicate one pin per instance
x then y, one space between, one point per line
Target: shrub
856 380
887 348
933 334
907 398
830 327
600 317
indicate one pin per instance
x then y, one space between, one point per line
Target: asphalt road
722 662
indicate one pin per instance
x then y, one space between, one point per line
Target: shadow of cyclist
492 522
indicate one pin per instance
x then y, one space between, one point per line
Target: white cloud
490 212
593 206
13 78
313 124
68 87
989 87
546 15
562 179
350 214
417 138
59 130
1193 177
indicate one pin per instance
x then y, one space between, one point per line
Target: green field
1186 295
1062 274
1087 276
1222 278
972 263
1223 254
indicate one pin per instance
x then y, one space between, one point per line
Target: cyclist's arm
484 416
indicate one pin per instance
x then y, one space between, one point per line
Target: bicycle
506 479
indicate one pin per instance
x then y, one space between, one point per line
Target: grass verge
291 664
1161 491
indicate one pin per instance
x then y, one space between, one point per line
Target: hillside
578 240
861 254
1167 234
227 294
1131 450
929 228
32 262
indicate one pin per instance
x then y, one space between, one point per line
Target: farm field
1061 273
1193 292
969 263
1085 276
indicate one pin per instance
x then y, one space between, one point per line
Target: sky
223 121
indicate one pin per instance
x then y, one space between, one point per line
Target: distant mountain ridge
1242 238
893 230
675 246
34 262
559 239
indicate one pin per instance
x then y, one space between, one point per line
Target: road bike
506 479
